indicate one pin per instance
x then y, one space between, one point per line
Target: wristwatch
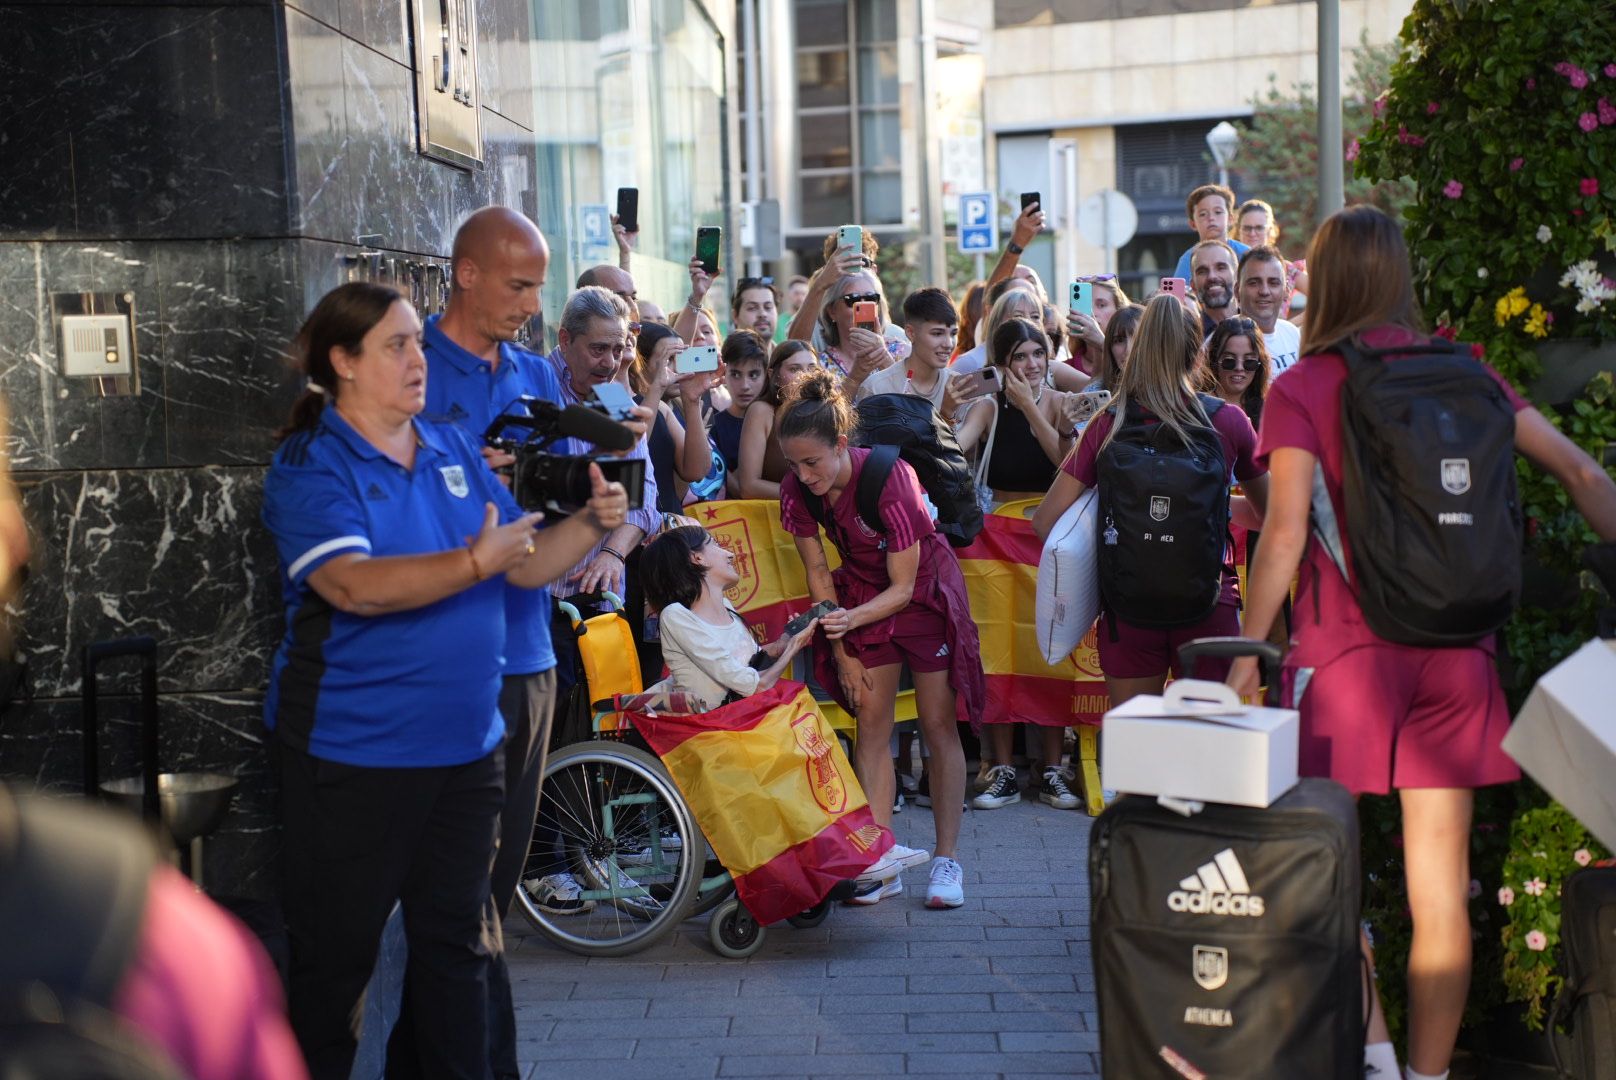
1014 248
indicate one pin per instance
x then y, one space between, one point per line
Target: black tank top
1018 462
659 444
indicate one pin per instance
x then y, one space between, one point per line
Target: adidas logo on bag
1217 888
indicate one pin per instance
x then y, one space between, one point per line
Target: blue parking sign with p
978 225
594 225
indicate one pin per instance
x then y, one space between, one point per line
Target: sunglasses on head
1229 363
853 298
1238 323
1094 279
753 283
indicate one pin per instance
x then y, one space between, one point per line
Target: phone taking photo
867 316
1083 298
800 623
616 400
695 359
1088 404
978 383
628 209
708 240
1175 286
1030 197
850 236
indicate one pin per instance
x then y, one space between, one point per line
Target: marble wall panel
323 204
64 423
179 554
504 59
170 120
229 311
40 747
378 25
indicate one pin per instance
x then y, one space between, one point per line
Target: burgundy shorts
919 638
1384 717
1142 654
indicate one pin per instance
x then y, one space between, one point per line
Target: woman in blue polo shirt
395 544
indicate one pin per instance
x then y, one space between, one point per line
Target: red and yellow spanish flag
1001 574
774 794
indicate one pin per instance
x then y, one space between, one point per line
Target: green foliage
1546 846
1279 148
1501 116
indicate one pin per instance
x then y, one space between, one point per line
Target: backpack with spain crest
1428 476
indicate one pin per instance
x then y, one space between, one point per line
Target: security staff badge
454 478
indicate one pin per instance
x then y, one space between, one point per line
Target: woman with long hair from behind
1378 716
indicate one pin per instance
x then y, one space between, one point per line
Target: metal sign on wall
446 102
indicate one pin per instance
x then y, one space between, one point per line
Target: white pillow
1069 580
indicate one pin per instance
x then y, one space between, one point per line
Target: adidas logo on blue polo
374 492
1217 888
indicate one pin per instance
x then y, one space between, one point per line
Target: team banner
1001 574
775 796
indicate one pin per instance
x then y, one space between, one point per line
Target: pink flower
1475 888
1515 166
1531 84
1379 104
1506 896
1535 887
1589 187
1453 189
1610 71
1352 150
1582 856
1432 108
1607 112
1588 121
1408 138
1573 74
1537 940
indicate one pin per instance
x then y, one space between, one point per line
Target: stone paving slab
1002 987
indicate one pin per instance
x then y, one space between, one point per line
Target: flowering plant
1546 846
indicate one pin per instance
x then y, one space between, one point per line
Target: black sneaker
1055 789
1001 792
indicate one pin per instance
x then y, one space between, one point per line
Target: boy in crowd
1210 207
932 325
746 372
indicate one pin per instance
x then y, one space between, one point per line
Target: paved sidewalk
1002 987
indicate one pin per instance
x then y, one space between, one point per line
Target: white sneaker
875 892
1002 790
905 857
883 869
558 894
947 887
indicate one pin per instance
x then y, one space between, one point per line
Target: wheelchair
610 815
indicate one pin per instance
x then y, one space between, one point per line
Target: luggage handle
1198 695
1230 648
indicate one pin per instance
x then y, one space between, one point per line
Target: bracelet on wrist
618 555
1014 248
476 569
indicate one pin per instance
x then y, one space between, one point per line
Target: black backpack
1163 521
906 426
72 900
1587 1001
1428 477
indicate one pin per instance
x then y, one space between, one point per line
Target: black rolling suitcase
1587 1002
1226 943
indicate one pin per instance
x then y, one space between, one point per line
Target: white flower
1584 275
1481 272
1587 304
1544 234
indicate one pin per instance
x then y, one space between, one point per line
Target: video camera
559 483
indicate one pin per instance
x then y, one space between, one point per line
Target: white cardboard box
1565 736
1198 742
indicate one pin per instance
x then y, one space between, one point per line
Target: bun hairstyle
816 408
340 320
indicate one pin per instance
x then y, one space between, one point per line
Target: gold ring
530 548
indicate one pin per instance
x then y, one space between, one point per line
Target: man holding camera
475 371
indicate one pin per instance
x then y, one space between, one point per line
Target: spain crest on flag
774 794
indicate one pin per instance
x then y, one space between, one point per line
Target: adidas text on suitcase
1226 944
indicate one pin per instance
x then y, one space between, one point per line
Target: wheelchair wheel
812 917
733 932
615 859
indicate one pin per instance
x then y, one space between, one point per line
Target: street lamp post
1224 142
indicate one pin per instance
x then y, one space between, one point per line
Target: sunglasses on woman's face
853 298
1230 363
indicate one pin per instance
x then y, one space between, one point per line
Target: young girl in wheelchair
710 653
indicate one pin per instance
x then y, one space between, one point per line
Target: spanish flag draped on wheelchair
750 811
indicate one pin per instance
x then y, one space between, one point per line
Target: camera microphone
582 422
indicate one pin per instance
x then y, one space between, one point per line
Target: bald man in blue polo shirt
475 371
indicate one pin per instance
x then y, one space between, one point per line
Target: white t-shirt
706 660
895 380
1283 345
